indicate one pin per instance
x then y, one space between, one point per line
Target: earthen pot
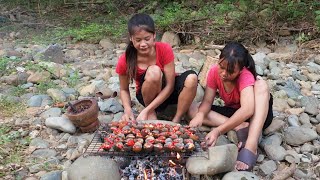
91 127
87 112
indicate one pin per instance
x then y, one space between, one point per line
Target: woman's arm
125 97
204 107
243 113
169 72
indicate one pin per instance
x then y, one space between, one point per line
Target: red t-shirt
231 99
164 55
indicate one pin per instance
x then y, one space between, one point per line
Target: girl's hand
143 115
196 121
128 116
212 137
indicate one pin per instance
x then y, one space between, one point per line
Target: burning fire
148 173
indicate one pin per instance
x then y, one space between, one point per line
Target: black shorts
229 111
173 98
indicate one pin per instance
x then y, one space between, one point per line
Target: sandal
242 135
247 157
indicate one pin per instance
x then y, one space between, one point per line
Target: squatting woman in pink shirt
248 103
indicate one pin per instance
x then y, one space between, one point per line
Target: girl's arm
245 112
204 107
125 97
169 72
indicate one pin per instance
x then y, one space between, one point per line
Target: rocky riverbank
291 145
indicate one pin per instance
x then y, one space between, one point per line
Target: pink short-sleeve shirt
164 55
231 99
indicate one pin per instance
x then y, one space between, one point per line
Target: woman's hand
196 121
143 115
212 137
128 116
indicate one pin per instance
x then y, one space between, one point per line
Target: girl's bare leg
186 96
261 96
151 87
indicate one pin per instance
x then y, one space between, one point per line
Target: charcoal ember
145 132
189 146
118 146
176 127
158 147
167 125
137 147
148 147
192 130
130 136
178 140
178 147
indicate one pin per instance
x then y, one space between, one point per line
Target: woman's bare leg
261 96
151 87
186 96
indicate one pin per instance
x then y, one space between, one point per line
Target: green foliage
94 32
7 65
42 87
8 107
73 79
317 19
18 91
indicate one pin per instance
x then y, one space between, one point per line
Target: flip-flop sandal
242 135
247 157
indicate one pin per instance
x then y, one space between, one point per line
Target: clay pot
90 128
86 115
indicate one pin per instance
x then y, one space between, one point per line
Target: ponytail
131 60
250 65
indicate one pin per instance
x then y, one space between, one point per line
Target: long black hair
236 53
136 23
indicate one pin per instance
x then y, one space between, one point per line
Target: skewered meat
148 147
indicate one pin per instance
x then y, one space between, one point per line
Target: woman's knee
153 74
261 87
191 80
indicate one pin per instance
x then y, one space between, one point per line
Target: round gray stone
95 168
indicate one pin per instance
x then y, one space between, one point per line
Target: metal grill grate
93 150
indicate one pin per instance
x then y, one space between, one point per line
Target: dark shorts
228 112
173 98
